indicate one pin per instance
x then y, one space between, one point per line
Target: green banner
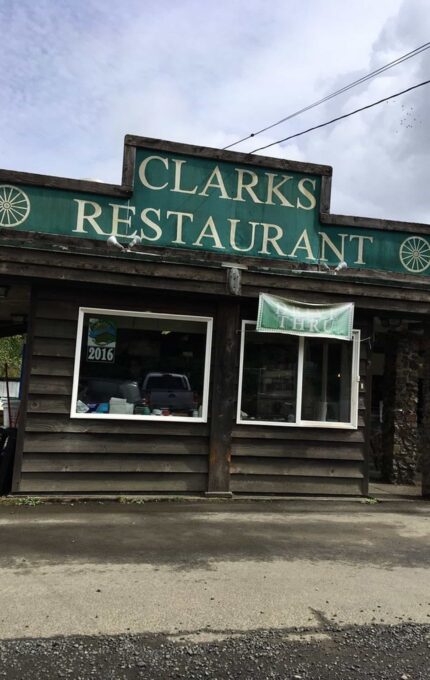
278 315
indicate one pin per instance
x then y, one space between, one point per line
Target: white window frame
355 382
130 416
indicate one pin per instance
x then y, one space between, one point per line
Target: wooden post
425 437
365 395
224 397
22 418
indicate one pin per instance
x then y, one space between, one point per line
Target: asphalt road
215 590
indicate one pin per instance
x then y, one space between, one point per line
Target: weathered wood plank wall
273 460
63 455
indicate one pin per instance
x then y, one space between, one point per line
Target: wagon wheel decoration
14 206
415 254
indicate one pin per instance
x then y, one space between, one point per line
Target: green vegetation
11 354
30 501
131 500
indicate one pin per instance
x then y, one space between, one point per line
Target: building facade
209 327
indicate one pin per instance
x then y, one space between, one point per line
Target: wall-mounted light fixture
4 291
326 269
340 266
136 241
113 241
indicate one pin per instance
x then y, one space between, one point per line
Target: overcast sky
77 75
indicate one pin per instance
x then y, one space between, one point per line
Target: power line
359 81
345 115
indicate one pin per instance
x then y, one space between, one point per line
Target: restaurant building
209 327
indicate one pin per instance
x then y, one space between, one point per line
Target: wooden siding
61 455
276 460
64 455
318 463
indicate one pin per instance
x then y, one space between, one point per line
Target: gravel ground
400 652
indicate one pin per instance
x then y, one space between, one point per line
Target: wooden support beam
223 396
22 418
425 437
365 392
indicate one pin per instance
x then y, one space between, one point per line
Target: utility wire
345 115
359 81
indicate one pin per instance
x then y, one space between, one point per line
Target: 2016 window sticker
101 344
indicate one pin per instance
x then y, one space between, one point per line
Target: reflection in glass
327 380
269 384
141 365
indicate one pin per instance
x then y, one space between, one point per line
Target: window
141 365
290 380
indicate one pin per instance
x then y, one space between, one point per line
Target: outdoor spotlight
135 242
340 266
113 241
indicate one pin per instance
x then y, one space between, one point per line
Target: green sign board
204 204
278 315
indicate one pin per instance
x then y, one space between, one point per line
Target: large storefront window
141 365
291 380
326 391
269 377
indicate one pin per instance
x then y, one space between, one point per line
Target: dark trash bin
7 455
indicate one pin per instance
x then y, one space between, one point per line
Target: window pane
142 366
327 380
269 383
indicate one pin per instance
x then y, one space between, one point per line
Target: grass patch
29 501
131 500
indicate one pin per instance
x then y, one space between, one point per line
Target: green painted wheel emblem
414 254
14 206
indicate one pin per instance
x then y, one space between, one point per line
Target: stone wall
425 425
400 435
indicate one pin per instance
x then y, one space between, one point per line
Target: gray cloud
77 76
